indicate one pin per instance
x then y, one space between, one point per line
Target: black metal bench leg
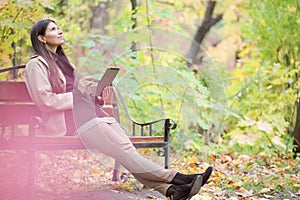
167 156
167 147
32 159
117 167
31 174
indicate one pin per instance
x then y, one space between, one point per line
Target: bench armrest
172 125
169 123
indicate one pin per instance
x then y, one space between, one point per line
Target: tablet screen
106 79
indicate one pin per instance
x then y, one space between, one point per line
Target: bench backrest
17 107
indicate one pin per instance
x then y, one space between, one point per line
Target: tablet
106 80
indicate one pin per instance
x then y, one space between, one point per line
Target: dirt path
101 194
114 195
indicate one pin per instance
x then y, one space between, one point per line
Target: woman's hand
107 96
107 93
87 86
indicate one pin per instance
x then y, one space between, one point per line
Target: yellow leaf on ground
237 184
150 196
192 159
297 186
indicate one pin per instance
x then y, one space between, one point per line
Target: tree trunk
100 18
207 23
296 132
133 14
133 18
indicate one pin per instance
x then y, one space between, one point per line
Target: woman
50 79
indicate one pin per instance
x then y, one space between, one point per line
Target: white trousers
111 139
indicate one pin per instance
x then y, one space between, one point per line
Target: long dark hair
39 28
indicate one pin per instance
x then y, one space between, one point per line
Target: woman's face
53 37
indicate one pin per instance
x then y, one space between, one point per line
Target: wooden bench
17 109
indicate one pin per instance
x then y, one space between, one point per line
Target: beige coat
52 105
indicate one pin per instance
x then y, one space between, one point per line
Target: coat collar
45 62
40 58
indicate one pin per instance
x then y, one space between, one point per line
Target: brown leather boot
186 191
